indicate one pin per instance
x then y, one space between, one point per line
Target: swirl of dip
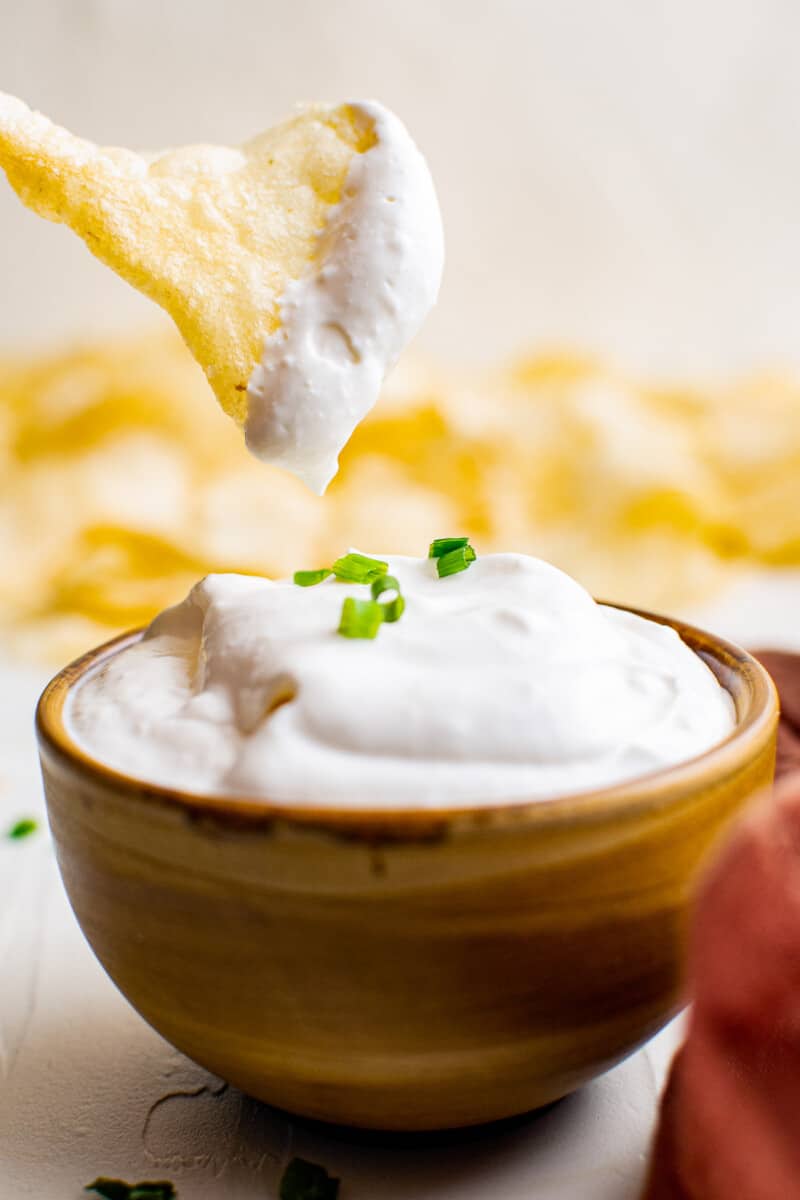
506 681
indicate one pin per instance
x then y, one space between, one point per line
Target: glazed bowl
400 970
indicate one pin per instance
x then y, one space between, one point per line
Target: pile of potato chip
122 483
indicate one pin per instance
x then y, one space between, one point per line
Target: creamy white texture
505 681
379 266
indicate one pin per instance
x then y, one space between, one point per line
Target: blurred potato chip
120 487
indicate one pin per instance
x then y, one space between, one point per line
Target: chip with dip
296 266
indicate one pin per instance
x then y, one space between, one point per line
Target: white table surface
86 1088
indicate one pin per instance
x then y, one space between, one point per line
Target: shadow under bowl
400 970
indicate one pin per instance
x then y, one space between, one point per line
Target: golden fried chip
212 234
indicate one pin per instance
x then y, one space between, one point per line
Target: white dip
505 681
344 325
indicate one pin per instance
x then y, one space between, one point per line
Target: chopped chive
23 828
117 1189
309 578
360 618
359 568
455 561
440 546
304 1180
392 609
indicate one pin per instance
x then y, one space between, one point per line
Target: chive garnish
360 618
440 546
393 609
309 578
117 1189
23 828
359 568
455 560
304 1180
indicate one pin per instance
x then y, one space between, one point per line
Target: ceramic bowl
400 970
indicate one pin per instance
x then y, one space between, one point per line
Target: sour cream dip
343 325
505 681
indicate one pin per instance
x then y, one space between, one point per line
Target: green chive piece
359 568
23 828
392 609
117 1189
440 546
455 561
309 578
360 618
304 1180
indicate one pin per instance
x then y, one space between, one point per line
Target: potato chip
212 234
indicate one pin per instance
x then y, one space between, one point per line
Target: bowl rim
650 791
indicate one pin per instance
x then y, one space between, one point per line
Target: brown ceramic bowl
400 970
